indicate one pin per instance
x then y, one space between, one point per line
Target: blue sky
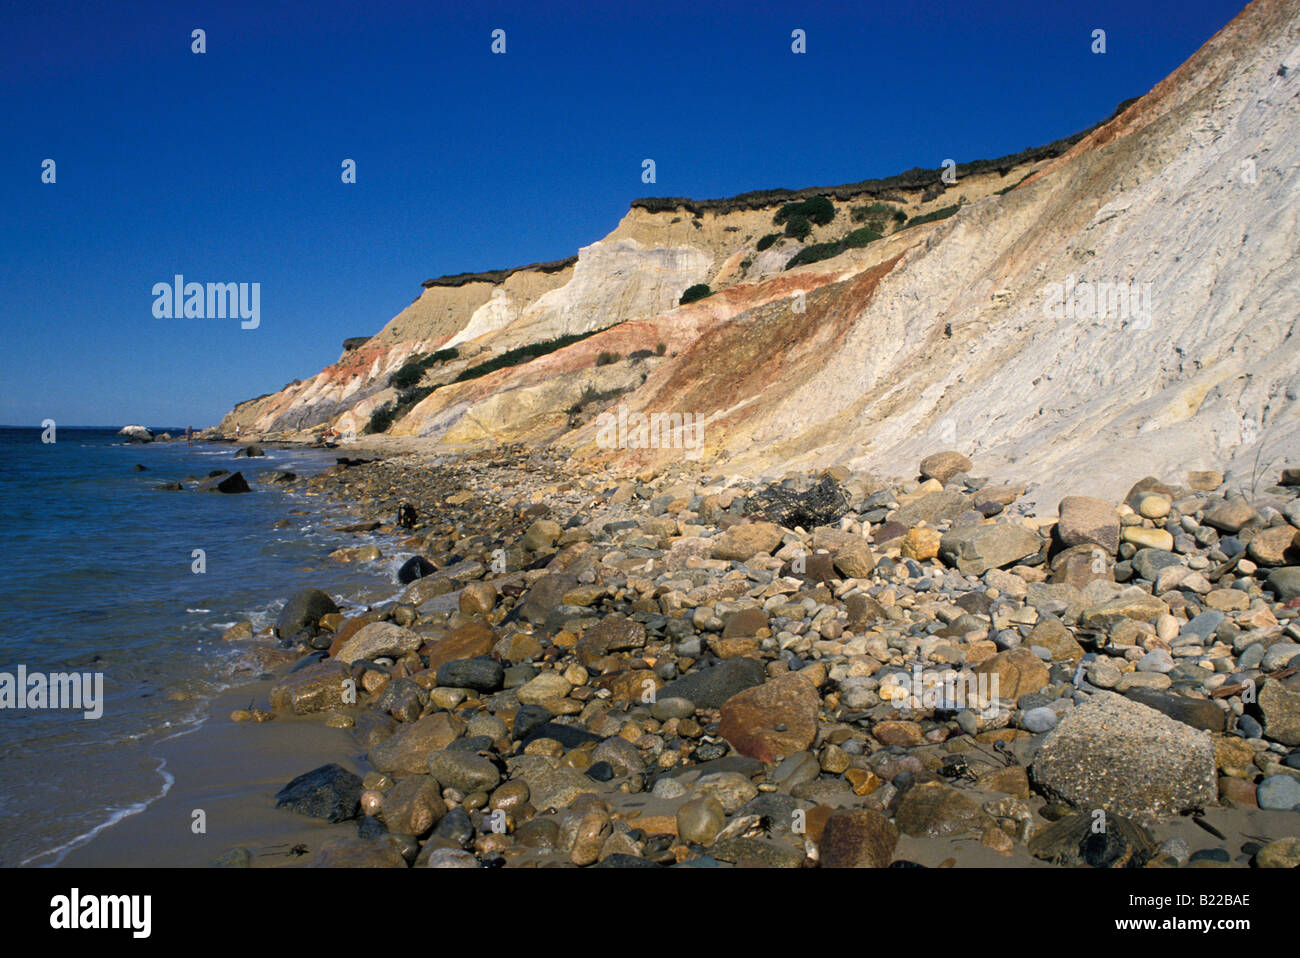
225 166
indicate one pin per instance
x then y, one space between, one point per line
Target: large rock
481 673
416 567
551 784
1149 563
934 809
614 633
136 433
1132 603
315 688
1050 634
857 838
1084 520
1275 546
1014 673
330 792
931 508
378 639
466 642
230 483
541 535
544 597
407 751
700 819
710 688
304 611
854 560
1229 516
413 806
1285 583
973 550
944 465
1125 758
464 771
746 540
351 852
1198 713
773 720
1281 708
1077 840
1145 487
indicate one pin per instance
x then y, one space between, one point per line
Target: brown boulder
407 751
857 838
746 540
1083 520
746 622
944 465
772 720
1014 673
933 809
1275 546
413 806
471 639
313 689
614 633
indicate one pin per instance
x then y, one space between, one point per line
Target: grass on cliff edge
387 414
412 371
820 251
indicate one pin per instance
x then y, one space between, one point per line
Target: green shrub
380 419
409 397
798 227
607 359
523 354
813 254
767 241
660 349
591 394
641 354
407 376
694 293
820 251
940 214
1007 189
860 237
412 371
817 209
878 216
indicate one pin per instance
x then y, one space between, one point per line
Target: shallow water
97 576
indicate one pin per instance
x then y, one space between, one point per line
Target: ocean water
96 576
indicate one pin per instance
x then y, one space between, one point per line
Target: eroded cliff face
1129 304
637 273
1191 196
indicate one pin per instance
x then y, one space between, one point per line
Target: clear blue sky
225 166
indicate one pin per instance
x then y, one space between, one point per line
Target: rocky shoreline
591 669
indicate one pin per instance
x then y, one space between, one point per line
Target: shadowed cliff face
1130 304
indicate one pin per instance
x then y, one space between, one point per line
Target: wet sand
230 770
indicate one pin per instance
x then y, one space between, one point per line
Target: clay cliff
1123 299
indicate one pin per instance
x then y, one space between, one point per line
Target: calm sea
96 575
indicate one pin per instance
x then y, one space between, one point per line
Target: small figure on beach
189 436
